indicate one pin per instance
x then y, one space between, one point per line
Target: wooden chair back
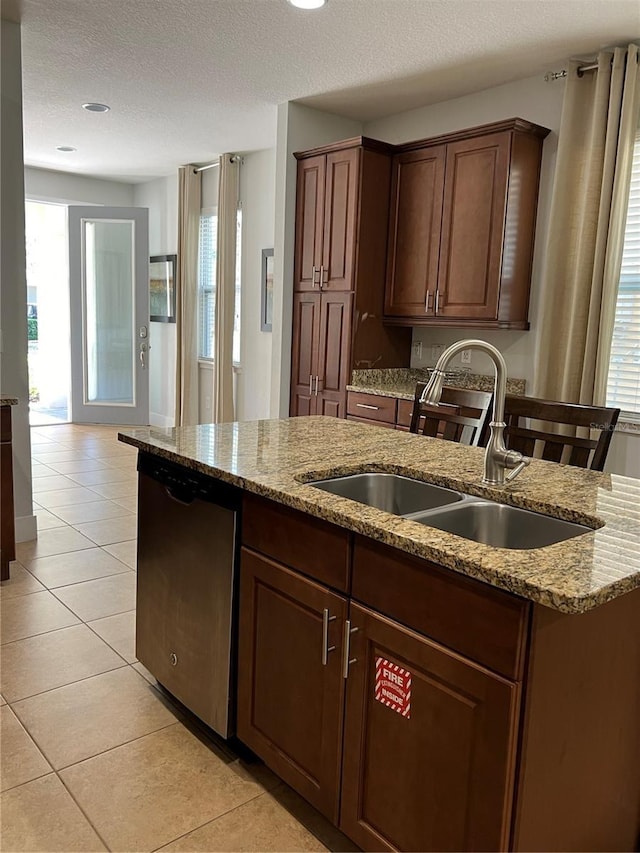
461 415
542 439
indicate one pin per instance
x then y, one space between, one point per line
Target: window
623 386
207 286
207 283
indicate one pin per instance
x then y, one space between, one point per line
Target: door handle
321 276
310 385
346 661
314 270
316 386
326 648
143 356
437 307
324 279
426 304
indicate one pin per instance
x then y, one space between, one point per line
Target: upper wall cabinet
462 224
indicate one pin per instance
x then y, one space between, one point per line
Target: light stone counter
275 458
400 382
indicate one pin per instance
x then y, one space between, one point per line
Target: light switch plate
416 349
436 351
465 356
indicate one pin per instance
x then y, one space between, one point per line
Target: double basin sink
478 519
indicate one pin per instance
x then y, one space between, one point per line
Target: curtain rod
235 159
550 76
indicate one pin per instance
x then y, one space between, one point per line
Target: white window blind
207 286
623 386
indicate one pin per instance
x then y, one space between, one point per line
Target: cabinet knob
173 659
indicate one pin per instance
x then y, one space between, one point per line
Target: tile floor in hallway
94 755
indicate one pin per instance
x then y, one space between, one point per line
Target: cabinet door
334 353
290 703
473 220
309 222
304 353
340 215
432 770
414 232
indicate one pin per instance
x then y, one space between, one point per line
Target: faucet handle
524 461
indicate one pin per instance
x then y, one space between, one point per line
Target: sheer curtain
189 202
586 228
229 172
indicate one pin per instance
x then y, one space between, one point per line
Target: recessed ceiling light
96 108
307 4
66 149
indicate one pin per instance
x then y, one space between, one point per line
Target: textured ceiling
187 79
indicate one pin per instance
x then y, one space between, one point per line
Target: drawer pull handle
326 648
366 406
173 659
346 660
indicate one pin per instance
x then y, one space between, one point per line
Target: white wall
299 128
257 194
531 99
161 198
66 188
13 286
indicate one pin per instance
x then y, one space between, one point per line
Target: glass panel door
109 285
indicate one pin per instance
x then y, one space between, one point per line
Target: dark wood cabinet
305 353
434 769
462 227
290 682
320 365
489 747
7 515
342 214
414 232
326 210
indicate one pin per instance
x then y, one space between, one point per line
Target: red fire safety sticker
393 687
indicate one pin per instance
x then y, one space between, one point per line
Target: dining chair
460 416
532 429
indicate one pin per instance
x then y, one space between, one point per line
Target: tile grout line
213 820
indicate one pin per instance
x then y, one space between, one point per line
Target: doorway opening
47 312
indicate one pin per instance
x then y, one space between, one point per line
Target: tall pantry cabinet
342 217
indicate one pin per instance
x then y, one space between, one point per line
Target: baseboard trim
26 528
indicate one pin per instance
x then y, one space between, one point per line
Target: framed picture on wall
162 288
266 301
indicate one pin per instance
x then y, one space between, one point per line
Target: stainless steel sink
390 492
501 526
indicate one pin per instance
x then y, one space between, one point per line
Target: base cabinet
432 773
290 684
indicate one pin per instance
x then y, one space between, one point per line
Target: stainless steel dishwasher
188 533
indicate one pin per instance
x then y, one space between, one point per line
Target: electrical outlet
416 349
436 351
465 356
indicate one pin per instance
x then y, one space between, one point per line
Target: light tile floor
94 755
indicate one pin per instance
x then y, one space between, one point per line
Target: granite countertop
8 401
275 458
400 382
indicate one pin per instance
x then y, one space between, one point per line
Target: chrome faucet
496 458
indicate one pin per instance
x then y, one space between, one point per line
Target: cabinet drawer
308 544
480 622
372 407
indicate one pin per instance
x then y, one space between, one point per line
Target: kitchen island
516 723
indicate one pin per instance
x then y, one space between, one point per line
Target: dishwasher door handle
186 498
